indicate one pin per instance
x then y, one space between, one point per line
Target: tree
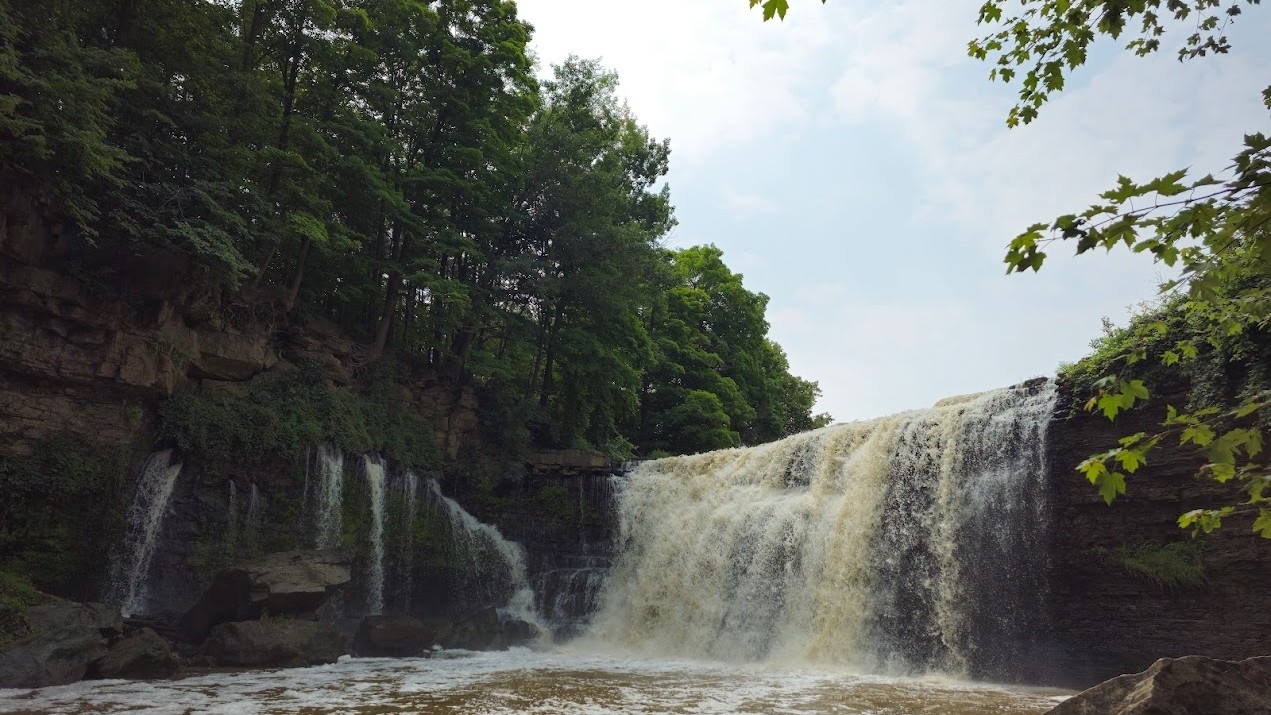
1215 230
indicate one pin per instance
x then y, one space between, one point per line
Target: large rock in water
485 630
290 583
399 636
1184 686
144 655
65 639
275 643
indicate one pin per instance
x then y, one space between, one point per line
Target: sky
854 165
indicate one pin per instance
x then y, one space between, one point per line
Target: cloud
856 164
706 73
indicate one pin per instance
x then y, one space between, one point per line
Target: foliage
280 417
51 496
1176 564
16 594
1213 231
391 166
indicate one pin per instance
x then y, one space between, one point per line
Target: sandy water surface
525 681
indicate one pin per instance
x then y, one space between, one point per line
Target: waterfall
405 581
330 497
905 543
374 467
145 520
494 568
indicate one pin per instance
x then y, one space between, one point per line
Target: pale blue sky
854 165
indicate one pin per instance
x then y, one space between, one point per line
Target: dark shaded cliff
1115 601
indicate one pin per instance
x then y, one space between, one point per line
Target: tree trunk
294 291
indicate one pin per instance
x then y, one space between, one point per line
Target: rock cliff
1127 586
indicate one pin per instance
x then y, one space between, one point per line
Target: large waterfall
905 543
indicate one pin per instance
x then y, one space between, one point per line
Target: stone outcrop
484 630
1185 686
289 583
399 636
142 655
275 643
1108 619
64 640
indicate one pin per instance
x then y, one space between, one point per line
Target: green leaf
1111 485
1248 408
1262 524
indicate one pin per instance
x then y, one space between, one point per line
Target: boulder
1184 686
275 643
290 583
64 639
399 636
144 655
481 631
485 630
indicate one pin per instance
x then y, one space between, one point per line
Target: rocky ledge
1192 685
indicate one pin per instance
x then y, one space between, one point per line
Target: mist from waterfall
905 543
144 524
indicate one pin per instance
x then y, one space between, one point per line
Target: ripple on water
523 681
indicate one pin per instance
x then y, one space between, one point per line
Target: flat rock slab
289 583
1181 686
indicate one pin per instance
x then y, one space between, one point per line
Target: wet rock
481 631
59 614
276 643
399 636
487 631
1193 685
293 583
64 639
143 655
518 632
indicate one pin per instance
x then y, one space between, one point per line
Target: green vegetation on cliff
393 166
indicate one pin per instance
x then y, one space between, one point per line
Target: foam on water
520 680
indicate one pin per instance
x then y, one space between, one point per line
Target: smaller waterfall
254 518
496 565
374 466
405 579
145 520
330 497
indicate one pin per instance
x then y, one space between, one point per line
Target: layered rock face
93 360
1109 617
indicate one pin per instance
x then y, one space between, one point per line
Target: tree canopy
395 167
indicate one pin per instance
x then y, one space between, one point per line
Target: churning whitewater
905 543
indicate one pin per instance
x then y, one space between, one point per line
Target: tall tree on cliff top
716 379
593 218
1215 230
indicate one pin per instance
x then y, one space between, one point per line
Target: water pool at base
525 681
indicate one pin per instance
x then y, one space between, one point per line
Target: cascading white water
405 581
907 542
374 467
496 564
145 522
330 497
